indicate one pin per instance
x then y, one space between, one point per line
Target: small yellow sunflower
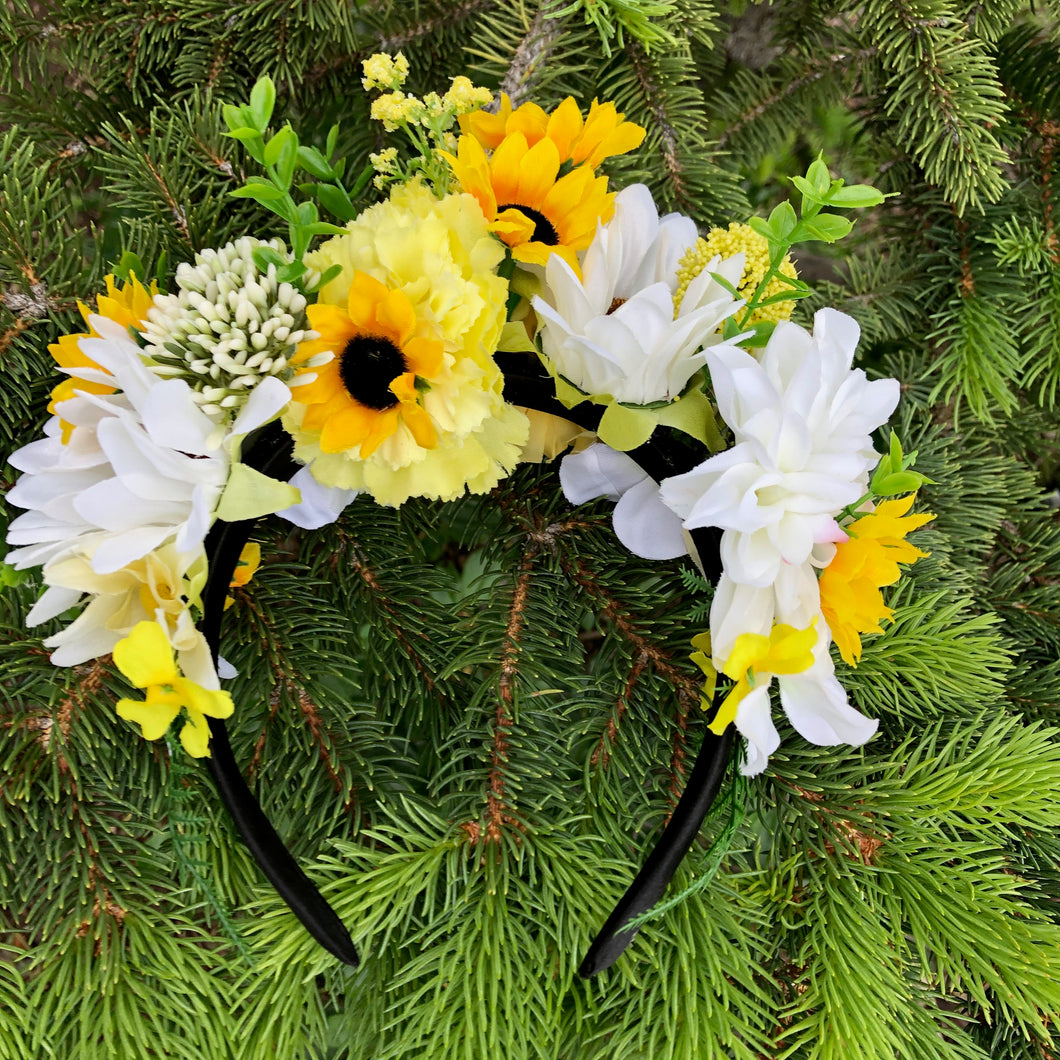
383 361
126 306
535 213
602 134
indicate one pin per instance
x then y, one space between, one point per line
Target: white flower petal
598 471
754 720
320 505
646 526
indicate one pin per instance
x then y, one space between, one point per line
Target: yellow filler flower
534 210
146 658
850 585
126 306
602 134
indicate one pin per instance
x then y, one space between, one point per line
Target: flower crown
498 304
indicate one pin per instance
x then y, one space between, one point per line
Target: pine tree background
470 721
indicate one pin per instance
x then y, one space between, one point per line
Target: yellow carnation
439 254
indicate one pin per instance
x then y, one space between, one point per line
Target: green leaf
233 116
330 273
761 226
332 140
760 333
362 181
314 163
288 159
263 257
827 227
274 147
249 494
898 482
290 271
262 100
782 222
324 228
817 176
810 195
335 200
130 265
857 196
263 193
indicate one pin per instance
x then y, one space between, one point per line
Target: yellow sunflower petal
366 292
537 174
348 427
425 356
565 126
394 313
383 425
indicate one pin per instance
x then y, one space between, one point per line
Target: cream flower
615 331
802 421
121 510
443 435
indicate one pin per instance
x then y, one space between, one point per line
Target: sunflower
383 363
535 213
602 134
418 421
126 306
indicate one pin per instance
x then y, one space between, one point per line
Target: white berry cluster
228 326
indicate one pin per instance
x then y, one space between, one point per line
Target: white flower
802 421
320 505
815 704
615 330
121 511
642 522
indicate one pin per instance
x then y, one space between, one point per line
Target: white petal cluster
614 331
229 326
802 420
121 510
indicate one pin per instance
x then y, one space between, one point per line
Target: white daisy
615 330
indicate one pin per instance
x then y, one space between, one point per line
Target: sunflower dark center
544 231
368 365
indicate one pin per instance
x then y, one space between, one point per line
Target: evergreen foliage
470 721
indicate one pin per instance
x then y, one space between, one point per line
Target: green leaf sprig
283 156
784 228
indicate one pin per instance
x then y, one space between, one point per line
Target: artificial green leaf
249 494
335 201
817 176
782 221
314 163
263 193
624 428
233 116
855 196
275 145
262 101
827 227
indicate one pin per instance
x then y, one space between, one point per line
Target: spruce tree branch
496 805
532 52
391 615
453 13
602 753
654 95
687 689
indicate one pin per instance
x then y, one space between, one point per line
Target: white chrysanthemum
615 331
121 510
802 420
229 326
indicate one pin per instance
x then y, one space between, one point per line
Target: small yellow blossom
384 161
754 661
738 238
246 568
383 71
396 109
850 585
146 658
464 97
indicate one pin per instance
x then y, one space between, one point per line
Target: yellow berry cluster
726 242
